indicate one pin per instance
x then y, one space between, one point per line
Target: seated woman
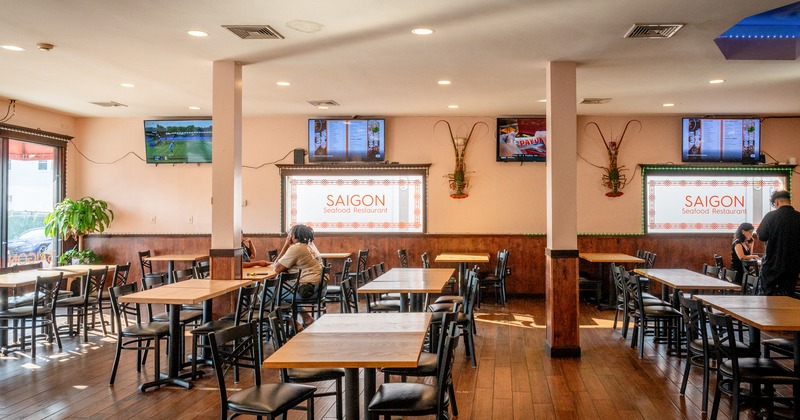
299 252
249 252
741 249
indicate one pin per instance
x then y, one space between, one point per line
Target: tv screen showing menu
721 140
346 140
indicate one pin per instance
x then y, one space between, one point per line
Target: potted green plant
73 256
77 218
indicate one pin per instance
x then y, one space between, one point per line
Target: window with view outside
31 195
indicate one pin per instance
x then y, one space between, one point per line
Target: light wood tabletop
682 279
467 257
335 255
187 292
259 273
353 341
750 302
414 281
609 257
178 257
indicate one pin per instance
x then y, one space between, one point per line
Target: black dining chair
237 347
41 313
733 369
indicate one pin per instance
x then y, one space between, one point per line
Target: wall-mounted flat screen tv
178 141
522 139
346 140
721 140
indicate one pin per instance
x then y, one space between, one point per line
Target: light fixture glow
198 34
716 81
13 48
444 82
322 107
668 104
283 84
194 108
452 106
542 100
127 85
422 31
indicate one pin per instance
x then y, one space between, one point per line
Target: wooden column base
225 264
561 303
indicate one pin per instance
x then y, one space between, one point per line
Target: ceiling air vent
109 104
323 102
254 31
595 101
661 30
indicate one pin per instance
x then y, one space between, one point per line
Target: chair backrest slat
402 255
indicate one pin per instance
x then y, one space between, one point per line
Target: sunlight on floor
529 321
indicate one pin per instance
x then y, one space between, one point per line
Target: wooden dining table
353 341
680 279
763 313
171 258
462 259
604 259
187 292
411 283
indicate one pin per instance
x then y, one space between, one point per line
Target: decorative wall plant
613 178
458 178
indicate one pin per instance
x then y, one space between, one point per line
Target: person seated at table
299 252
249 252
741 249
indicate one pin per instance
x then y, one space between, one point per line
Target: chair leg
33 338
717 395
102 321
194 357
452 391
685 379
116 363
339 397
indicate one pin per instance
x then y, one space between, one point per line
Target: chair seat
185 316
314 375
441 307
426 367
449 299
145 329
390 296
385 305
779 344
761 370
270 398
660 310
212 326
23 312
75 301
404 399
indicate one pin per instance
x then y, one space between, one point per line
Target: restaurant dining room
552 255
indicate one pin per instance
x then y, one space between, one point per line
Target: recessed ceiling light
198 34
716 81
322 107
283 84
452 106
542 100
13 48
422 31
667 105
194 108
444 82
127 85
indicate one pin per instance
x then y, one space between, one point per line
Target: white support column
226 175
561 305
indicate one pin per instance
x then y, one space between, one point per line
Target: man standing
780 229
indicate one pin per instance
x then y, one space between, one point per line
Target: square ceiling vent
658 30
254 31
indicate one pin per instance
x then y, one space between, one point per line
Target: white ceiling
365 58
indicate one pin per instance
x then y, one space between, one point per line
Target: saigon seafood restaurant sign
707 204
356 203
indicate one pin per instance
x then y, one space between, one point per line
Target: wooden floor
514 378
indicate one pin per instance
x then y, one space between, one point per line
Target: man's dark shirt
780 229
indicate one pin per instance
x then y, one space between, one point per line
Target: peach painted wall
503 197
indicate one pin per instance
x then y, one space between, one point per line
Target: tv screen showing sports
522 139
721 140
346 140
178 141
